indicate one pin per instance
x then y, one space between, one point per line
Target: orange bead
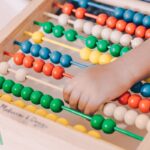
18 58
28 61
144 105
67 8
111 22
47 69
140 31
101 19
134 101
38 65
57 72
123 99
121 25
130 28
80 13
147 34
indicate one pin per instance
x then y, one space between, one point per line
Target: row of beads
50 116
47 101
135 101
40 66
142 88
99 31
90 42
120 13
45 53
130 117
103 19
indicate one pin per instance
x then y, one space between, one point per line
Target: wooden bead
78 25
63 121
4 68
85 53
41 112
101 19
57 72
18 58
147 34
105 59
140 31
52 117
80 128
28 61
144 105
125 39
111 22
96 31
80 13
109 109
94 57
134 101
47 69
106 32
63 19
115 36
123 99
87 27
38 65
94 134
121 25
67 8
136 42
19 103
7 98
37 37
21 74
130 28
30 108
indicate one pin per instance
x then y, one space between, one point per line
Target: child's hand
96 85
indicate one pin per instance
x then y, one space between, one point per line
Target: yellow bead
62 121
37 37
7 98
41 112
80 128
147 80
19 103
52 117
30 108
94 57
114 59
85 53
94 134
105 59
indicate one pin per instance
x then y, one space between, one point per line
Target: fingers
91 108
67 93
82 102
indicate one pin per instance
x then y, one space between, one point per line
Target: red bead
144 105
48 68
130 28
111 22
134 101
67 8
140 31
121 25
123 99
80 13
147 34
101 19
57 72
28 61
38 65
18 58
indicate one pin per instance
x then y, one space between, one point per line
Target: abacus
38 55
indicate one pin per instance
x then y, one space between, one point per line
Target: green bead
16 89
26 93
7 86
91 41
36 97
46 100
97 121
115 50
56 105
47 27
124 50
2 79
108 126
71 35
58 31
102 45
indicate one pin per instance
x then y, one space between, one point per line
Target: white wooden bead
106 33
148 126
115 36
78 25
21 75
141 121
63 19
4 68
125 40
87 27
130 116
136 42
119 113
96 31
109 109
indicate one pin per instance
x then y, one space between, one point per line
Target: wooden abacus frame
15 30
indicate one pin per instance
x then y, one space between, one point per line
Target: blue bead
65 60
128 15
136 88
44 53
83 3
146 21
25 47
145 90
35 49
118 12
138 18
55 57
